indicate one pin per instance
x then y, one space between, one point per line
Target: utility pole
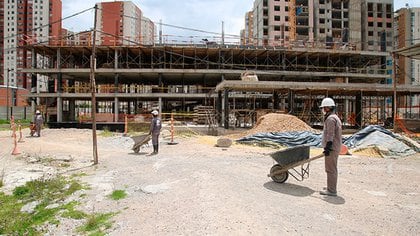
93 89
223 33
394 78
160 32
7 93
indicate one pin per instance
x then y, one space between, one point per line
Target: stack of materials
203 115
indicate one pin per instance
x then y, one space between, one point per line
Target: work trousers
155 138
331 169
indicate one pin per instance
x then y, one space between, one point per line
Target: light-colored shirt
332 132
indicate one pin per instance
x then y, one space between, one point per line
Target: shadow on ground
289 189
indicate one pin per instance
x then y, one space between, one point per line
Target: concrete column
226 109
275 100
116 109
160 106
72 110
291 98
116 59
219 106
59 109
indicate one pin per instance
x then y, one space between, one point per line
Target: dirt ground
195 188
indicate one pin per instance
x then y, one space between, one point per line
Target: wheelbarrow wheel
278 178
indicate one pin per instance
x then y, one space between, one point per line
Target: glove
327 148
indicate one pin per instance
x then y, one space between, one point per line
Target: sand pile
274 122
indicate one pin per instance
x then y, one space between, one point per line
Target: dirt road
195 188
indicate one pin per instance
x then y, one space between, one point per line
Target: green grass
96 224
45 192
118 194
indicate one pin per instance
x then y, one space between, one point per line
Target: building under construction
133 80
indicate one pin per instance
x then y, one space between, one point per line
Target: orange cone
15 149
344 150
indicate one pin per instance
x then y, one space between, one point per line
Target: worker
39 121
155 127
331 142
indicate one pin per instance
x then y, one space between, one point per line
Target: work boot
154 150
328 193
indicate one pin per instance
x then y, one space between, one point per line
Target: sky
205 15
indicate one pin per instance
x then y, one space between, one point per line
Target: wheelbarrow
289 160
139 141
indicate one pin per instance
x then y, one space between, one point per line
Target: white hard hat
154 112
37 112
327 102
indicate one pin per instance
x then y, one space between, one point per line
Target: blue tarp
289 139
296 138
362 134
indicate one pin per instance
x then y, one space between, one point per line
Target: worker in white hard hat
331 142
155 127
39 121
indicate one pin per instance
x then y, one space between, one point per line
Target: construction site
209 85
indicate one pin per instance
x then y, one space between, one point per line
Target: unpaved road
195 188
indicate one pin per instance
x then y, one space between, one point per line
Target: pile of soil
274 122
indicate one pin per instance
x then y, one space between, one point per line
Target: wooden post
125 125
93 89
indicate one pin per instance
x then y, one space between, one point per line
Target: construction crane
292 20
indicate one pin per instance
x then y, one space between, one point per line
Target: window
322 20
379 24
276 8
370 33
321 11
370 24
276 28
322 30
277 18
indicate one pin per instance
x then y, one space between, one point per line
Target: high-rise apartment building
118 23
147 31
359 24
25 22
248 32
407 33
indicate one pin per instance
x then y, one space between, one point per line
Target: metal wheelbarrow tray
139 141
288 159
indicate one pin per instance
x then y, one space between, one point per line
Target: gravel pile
274 122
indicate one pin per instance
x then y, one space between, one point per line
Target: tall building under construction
360 24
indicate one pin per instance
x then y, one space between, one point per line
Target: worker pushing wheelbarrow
140 141
288 160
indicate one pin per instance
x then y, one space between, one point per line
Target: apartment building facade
118 23
360 24
25 22
407 33
147 31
